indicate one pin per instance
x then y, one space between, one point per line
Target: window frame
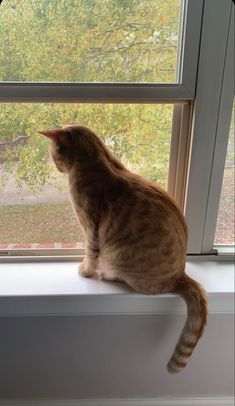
204 80
69 92
211 116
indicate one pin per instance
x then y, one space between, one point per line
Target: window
90 41
211 120
225 222
35 209
128 66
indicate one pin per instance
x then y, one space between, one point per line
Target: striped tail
195 298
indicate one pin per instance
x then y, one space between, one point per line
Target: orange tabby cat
133 229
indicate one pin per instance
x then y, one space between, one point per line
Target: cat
134 231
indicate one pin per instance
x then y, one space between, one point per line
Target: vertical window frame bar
179 152
190 37
221 142
205 115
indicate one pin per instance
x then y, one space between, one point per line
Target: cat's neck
90 187
87 180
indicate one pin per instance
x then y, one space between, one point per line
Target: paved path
10 194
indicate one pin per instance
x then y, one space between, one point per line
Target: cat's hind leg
110 275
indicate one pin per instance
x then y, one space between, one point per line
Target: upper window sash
189 40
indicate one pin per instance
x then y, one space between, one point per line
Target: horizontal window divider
41 252
36 258
93 92
219 254
225 250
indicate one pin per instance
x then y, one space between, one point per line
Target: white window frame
211 121
205 92
124 92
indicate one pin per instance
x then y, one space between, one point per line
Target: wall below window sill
87 339
56 288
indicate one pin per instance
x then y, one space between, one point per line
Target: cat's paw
84 270
87 271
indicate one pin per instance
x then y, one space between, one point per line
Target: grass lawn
56 222
225 221
39 223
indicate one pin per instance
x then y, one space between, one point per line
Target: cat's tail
196 300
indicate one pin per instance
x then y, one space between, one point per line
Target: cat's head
73 144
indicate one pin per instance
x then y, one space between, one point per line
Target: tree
106 40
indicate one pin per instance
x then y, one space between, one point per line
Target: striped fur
134 231
195 298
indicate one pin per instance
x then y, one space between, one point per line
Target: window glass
225 222
35 210
89 40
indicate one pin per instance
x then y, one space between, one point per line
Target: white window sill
56 288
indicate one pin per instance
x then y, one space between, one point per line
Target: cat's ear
53 134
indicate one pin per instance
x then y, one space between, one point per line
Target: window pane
34 202
89 40
225 222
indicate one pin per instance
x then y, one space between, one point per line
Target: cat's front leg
87 270
88 267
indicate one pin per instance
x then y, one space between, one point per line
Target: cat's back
141 207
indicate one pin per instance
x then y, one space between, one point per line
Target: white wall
111 357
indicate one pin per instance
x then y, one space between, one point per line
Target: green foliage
138 134
92 41
89 41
